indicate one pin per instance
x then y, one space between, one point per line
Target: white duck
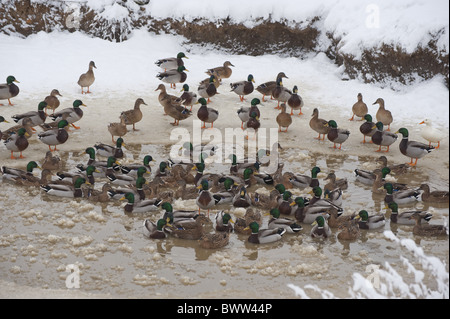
432 134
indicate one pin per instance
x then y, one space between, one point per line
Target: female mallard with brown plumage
359 108
192 231
436 196
223 72
214 240
88 78
396 169
384 116
117 129
284 119
319 125
52 100
134 115
427 229
266 88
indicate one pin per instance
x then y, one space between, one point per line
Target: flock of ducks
146 191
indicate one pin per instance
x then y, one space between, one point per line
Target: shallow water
40 235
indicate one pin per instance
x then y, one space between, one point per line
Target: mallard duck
178 218
360 108
404 218
98 196
383 138
295 101
27 124
172 63
154 230
334 182
412 149
241 224
108 166
337 135
384 116
205 199
206 114
65 190
266 88
239 167
17 143
284 119
191 231
337 219
243 88
55 137
427 229
368 128
67 178
223 72
143 206
319 125
51 162
165 98
349 230
264 236
284 203
106 150
125 180
369 177
319 201
334 196
132 168
244 111
9 90
377 187
405 196
52 100
117 129
71 114
88 78
214 240
303 181
369 222
224 222
173 76
12 173
242 198
208 90
212 78
37 117
431 134
134 115
276 222
253 123
163 170
265 201
188 97
280 93
177 112
226 196
320 228
437 196
396 169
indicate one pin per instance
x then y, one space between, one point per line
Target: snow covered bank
405 41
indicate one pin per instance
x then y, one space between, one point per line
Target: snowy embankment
377 42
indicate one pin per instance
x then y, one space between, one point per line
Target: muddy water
41 235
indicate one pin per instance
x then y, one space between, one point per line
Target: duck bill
292 204
16 81
423 122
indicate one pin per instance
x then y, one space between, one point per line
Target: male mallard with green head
56 136
383 138
17 143
9 90
264 236
172 63
337 135
173 76
70 114
243 88
206 114
413 149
